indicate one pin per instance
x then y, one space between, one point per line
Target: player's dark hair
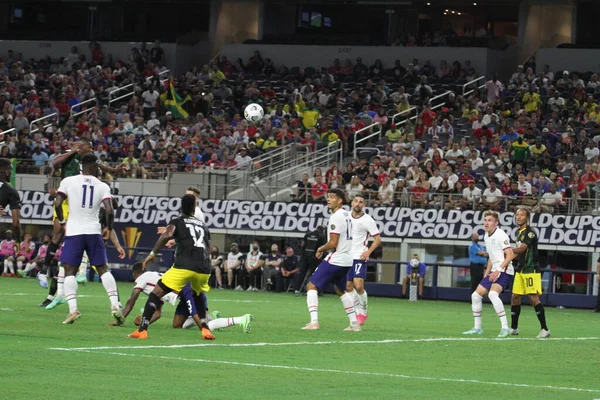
85 140
358 195
89 159
5 164
194 190
188 204
339 193
137 268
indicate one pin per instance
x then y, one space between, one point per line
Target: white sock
499 308
20 264
189 323
356 300
476 306
29 267
60 282
50 297
5 266
363 300
312 301
348 303
110 285
220 323
71 293
11 267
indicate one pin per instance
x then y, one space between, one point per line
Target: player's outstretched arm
160 243
131 302
63 158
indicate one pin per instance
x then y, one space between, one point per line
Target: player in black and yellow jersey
528 279
192 265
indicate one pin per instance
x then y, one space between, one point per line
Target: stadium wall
581 60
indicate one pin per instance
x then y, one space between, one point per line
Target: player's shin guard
348 304
541 314
499 308
70 288
201 308
149 310
110 285
515 311
363 300
476 306
19 264
312 301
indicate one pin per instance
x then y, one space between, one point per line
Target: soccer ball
254 112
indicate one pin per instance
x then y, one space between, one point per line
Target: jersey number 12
197 234
84 196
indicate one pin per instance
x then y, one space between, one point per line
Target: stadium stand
430 136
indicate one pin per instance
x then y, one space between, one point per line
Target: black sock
515 311
50 253
201 307
53 287
149 309
541 314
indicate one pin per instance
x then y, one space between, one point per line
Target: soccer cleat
246 323
21 273
352 328
138 335
361 318
56 302
74 316
296 293
311 326
43 280
250 288
504 333
514 332
118 315
81 278
45 303
4 274
207 334
544 334
239 287
473 331
216 314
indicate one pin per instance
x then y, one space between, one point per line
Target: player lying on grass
186 309
192 265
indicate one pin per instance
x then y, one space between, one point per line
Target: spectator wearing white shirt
436 179
471 195
492 197
243 159
494 88
549 201
435 149
152 122
478 122
434 129
149 96
524 186
487 117
591 151
147 142
453 154
476 162
447 128
556 103
354 187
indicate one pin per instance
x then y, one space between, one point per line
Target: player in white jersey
363 226
86 193
334 268
145 283
498 274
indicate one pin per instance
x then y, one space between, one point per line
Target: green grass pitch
406 350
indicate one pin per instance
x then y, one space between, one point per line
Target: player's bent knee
493 295
515 300
476 297
534 299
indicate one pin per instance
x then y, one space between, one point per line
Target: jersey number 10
197 234
84 196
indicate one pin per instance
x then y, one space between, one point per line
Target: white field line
6 309
363 373
320 343
102 297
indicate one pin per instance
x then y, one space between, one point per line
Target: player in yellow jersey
528 279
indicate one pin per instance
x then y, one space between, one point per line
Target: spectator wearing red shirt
465 175
418 195
427 115
420 128
319 190
484 131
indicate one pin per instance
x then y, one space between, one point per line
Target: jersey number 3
197 233
84 199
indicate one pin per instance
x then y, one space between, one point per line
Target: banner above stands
145 213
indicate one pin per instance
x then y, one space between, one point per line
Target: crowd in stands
535 131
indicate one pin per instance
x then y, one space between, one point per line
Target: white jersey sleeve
85 194
199 214
340 223
147 281
362 228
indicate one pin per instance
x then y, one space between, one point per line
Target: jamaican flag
174 103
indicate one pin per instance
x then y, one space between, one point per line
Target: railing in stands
110 95
438 97
466 85
413 108
366 129
85 111
165 72
35 121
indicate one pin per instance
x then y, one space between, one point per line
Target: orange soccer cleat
138 335
207 334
